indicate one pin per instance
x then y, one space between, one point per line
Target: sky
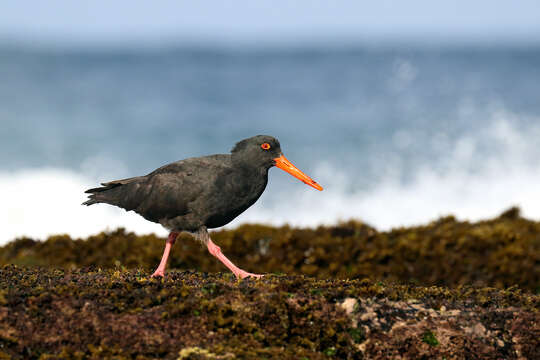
135 22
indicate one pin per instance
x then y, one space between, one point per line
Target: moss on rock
501 252
448 289
97 313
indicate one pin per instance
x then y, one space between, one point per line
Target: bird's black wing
168 191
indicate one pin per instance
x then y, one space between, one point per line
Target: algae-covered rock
448 289
501 252
124 314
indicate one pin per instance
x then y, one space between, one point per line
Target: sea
397 135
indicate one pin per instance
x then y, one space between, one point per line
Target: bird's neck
250 171
250 165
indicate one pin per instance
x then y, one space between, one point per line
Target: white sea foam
472 184
41 202
469 182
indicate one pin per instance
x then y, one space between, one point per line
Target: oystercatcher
198 194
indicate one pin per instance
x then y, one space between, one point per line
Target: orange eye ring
265 146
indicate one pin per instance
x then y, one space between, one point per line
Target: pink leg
216 251
160 271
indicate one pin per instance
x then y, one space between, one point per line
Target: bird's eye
265 146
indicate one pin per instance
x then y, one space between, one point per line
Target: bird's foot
244 274
158 273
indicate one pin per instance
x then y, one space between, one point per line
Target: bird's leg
216 251
160 271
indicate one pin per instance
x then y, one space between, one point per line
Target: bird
201 193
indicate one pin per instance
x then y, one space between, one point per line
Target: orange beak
284 164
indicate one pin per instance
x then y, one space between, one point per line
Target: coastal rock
114 314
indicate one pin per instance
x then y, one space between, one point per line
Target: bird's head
265 151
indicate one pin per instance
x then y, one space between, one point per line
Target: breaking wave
472 184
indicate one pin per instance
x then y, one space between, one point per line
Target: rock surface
446 290
123 314
501 252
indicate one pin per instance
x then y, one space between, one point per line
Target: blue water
356 117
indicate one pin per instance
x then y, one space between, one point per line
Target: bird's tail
99 194
90 201
94 197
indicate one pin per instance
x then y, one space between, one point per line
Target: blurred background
403 111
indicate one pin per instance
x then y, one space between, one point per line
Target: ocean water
396 135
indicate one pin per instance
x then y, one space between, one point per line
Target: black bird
196 194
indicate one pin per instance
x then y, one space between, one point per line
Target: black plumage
199 193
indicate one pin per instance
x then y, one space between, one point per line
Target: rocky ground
446 290
124 314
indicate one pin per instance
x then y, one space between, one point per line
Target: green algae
429 338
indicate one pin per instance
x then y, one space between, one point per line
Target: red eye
265 146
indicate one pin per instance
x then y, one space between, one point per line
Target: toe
244 275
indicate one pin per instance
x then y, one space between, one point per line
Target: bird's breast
238 191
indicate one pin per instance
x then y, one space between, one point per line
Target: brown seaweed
501 252
94 313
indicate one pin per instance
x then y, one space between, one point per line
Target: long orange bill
284 164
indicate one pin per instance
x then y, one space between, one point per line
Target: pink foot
239 273
244 274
